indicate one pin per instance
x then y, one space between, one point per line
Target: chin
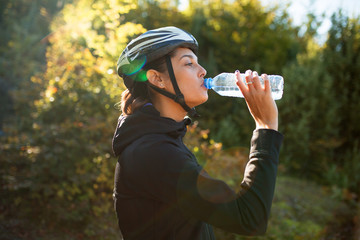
206 97
200 100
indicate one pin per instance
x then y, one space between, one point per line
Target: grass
301 210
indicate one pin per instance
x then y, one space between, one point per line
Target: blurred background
59 90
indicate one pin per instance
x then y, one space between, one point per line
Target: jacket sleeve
167 174
246 212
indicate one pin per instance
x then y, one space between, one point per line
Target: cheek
196 95
193 92
185 84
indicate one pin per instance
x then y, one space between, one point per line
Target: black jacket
162 193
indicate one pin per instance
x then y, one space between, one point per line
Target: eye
189 64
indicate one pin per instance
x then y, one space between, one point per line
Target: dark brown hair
140 94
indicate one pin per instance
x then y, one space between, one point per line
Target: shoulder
161 148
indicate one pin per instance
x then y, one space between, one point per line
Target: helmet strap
178 96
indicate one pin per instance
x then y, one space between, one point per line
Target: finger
240 83
266 82
249 79
256 80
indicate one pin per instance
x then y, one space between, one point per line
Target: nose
202 72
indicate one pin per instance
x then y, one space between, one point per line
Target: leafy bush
318 109
301 210
59 168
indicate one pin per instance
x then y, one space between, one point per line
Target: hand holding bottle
259 99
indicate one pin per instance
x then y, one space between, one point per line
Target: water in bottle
225 85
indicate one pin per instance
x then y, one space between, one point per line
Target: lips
203 85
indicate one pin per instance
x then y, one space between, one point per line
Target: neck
168 108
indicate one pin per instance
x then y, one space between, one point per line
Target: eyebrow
189 56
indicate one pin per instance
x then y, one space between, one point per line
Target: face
189 75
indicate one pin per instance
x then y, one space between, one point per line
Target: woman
161 192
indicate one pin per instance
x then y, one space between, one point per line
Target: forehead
181 52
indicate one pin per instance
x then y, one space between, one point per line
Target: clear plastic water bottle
225 85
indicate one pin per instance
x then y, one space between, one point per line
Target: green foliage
61 161
242 34
307 94
301 210
238 35
58 84
24 31
342 62
319 108
154 14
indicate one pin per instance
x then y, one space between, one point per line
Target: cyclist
161 192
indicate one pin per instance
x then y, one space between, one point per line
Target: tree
159 13
24 27
238 35
342 62
318 110
63 165
305 113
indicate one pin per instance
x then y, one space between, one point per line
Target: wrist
273 126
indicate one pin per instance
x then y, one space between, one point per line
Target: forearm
258 184
247 212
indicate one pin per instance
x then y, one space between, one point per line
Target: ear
154 78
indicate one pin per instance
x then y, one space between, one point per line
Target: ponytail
131 101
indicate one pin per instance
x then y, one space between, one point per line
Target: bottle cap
208 83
